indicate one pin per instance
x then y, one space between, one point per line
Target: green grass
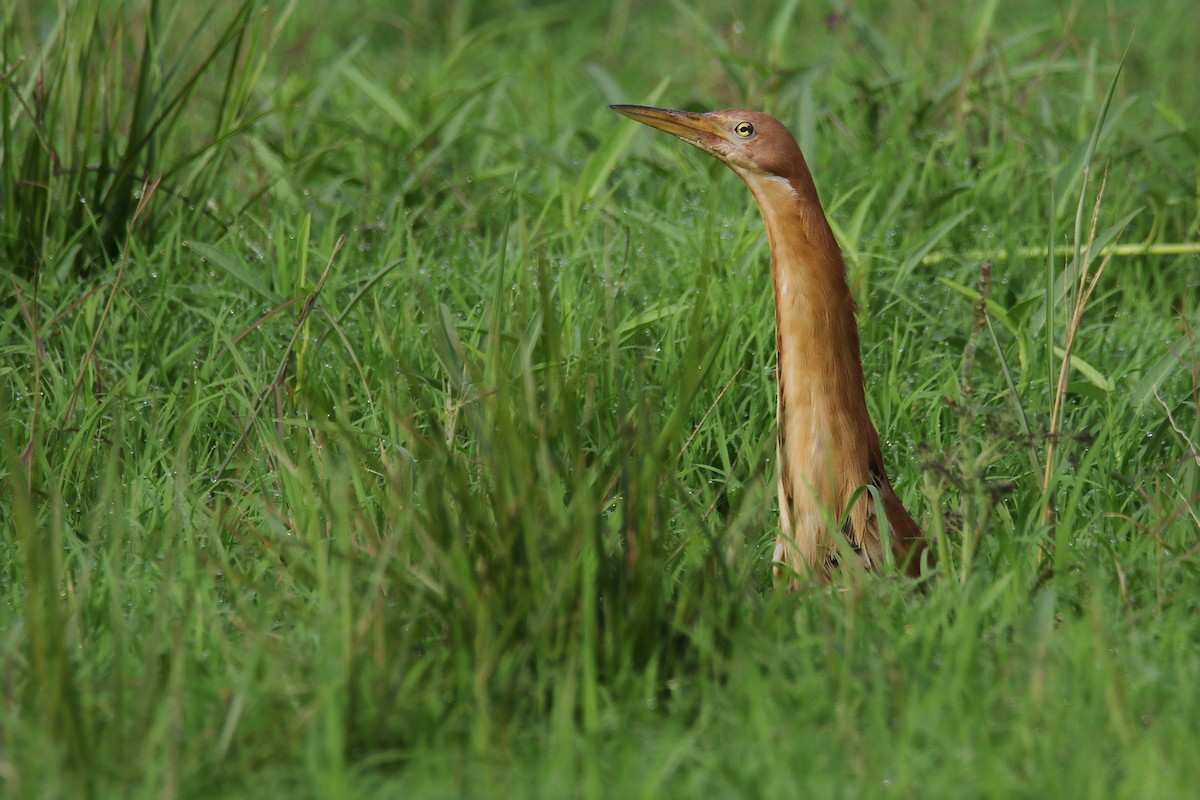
383 416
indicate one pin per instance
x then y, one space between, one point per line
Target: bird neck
816 333
825 434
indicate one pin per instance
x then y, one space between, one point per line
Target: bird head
749 142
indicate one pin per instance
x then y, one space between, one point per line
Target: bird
828 451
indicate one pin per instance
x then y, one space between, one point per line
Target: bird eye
744 130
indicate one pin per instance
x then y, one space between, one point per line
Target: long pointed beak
699 129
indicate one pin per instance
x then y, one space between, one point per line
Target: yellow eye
744 130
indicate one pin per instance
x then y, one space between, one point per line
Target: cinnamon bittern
828 449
